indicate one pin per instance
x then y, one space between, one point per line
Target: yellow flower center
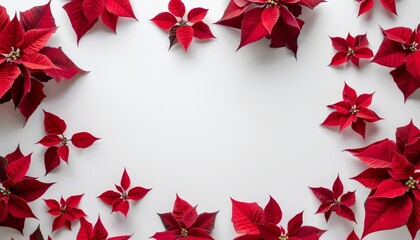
413 46
354 110
411 183
283 237
14 54
184 233
5 192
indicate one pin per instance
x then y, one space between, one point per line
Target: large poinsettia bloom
19 51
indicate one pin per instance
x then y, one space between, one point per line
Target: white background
211 123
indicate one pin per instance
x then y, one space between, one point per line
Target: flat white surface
211 123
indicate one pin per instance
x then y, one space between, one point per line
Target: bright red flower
185 223
353 110
257 223
179 28
351 48
97 232
367 5
17 190
25 61
335 201
399 50
57 143
84 14
276 20
66 211
393 178
119 200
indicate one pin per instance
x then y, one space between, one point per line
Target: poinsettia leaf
389 5
4 18
125 180
21 86
412 63
37 17
14 222
51 159
205 221
16 155
338 59
413 223
80 23
16 170
8 74
309 233
269 17
65 66
352 236
109 197
252 27
31 189
269 231
92 9
50 140
36 235
172 37
189 217
63 152
333 119
19 208
164 20
233 15
110 20
35 39
32 99
83 139
405 81
169 221
85 230
180 207
390 188
246 217
12 35
202 31
377 155
272 212
3 211
165 235
323 194
348 199
398 34
339 44
196 14
199 234
37 61
121 205
284 35
390 54
405 135
359 127
288 17
177 8
53 124
386 213
365 6
401 167
185 35
295 224
99 231
337 188
121 8
310 3
137 193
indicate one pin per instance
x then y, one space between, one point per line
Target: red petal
345 212
269 17
389 5
59 222
51 159
168 235
233 15
246 216
92 9
37 18
3 211
36 235
137 193
384 213
197 14
324 208
12 36
347 121
399 34
361 41
272 212
401 168
13 222
53 124
110 20
378 155
390 54
269 232
35 39
164 20
121 205
413 223
363 53
121 8
353 236
371 178
172 37
348 199
16 170
205 221
65 66
404 135
50 140
337 188
309 233
412 63
63 152
405 81
4 18
32 99
52 204
295 224
359 127
189 217
16 155
198 234
19 208
37 61
180 207
333 119
78 20
349 93
176 7
8 74
310 3
252 27
31 189
125 180
185 35
109 197
202 31
365 6
288 17
169 221
390 188
73 201
364 100
99 231
83 139
339 58
339 44
323 194
85 230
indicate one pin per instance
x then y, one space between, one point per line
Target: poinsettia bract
185 223
335 201
25 62
182 29
256 223
350 49
17 190
84 14
367 5
352 236
119 201
393 177
57 142
276 20
353 110
97 232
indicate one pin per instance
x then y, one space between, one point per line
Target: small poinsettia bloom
65 211
120 200
185 223
97 232
17 190
57 142
353 110
257 223
350 49
400 50
335 201
182 29
367 5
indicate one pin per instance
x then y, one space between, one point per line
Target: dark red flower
351 48
367 5
119 200
97 232
185 223
179 28
257 223
335 201
57 143
65 211
353 110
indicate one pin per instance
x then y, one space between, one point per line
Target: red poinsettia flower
97 232
335 201
178 27
367 5
274 19
350 49
37 235
257 223
84 14
66 211
353 110
393 178
17 190
57 143
25 62
185 223
399 50
119 200
353 236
